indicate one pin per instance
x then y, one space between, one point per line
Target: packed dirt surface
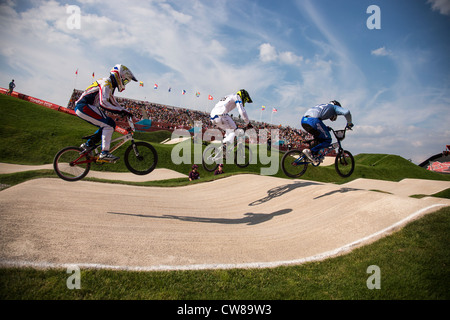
234 222
157 174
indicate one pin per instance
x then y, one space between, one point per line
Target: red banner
49 105
437 166
38 101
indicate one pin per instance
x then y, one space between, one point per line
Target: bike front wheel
141 158
294 163
72 163
344 163
212 156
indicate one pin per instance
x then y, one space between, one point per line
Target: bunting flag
76 72
93 75
155 87
263 108
274 110
197 94
141 84
170 89
210 97
183 92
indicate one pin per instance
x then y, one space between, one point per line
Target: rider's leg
107 132
324 138
321 135
106 126
227 124
94 139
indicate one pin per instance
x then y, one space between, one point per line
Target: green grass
442 194
414 261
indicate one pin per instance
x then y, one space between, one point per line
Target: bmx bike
213 155
73 163
294 163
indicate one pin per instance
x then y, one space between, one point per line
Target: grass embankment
413 261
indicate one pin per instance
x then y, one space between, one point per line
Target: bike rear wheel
141 158
212 157
294 163
344 163
72 164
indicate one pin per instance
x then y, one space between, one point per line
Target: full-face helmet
244 96
336 103
122 76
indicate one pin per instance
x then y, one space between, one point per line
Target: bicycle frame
123 139
336 145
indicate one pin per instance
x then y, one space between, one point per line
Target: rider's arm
344 112
242 111
106 98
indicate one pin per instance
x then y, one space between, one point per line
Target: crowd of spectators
166 117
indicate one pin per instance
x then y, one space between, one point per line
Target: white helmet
122 75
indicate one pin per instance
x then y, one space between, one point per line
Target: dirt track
240 221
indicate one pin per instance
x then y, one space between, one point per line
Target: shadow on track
248 219
282 190
342 190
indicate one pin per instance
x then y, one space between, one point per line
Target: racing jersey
327 111
228 103
101 94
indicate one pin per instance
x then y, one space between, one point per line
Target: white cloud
268 53
381 52
443 6
290 58
157 40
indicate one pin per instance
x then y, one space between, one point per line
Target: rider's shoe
106 156
308 154
314 159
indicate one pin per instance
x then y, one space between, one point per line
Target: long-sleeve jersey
228 103
101 94
327 111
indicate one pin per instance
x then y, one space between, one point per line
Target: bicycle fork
136 151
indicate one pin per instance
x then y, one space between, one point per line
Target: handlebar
347 127
340 134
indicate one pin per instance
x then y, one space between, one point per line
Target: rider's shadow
281 190
342 190
249 218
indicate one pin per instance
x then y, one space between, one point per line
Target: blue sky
290 55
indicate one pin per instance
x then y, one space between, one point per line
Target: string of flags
183 92
274 110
